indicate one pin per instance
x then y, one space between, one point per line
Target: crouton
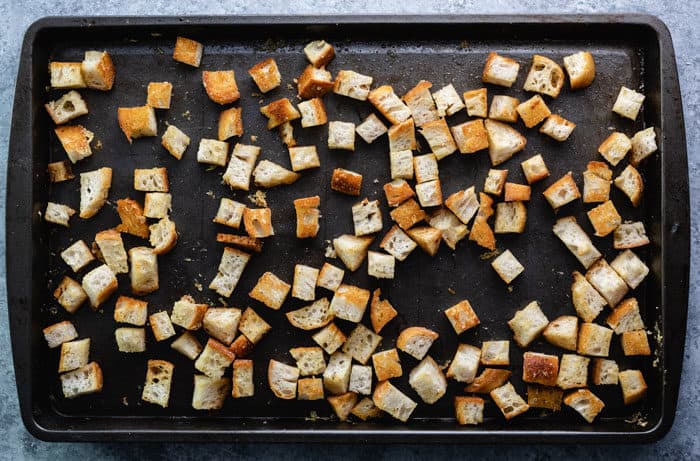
604 372
563 191
112 248
286 132
545 77
398 244
366 409
470 136
573 371
66 75
253 326
85 380
427 237
58 214
607 282
534 169
562 332
361 343
587 301
628 103
137 122
428 380
451 228
439 138
464 364
221 86
462 316
188 345
447 101
371 128
635 343
500 70
75 140
540 368
511 217
420 102
161 325
495 181
159 94
98 70
266 75
313 113
390 106
352 84
425 168
528 323
188 51
157 205
231 267
270 290
214 359
270 174
596 188
330 338
476 102
581 69
336 377
346 182
585 403
242 346
313 316
615 147
188 314
330 277
366 217
230 213
242 379
533 111
401 164
415 341
60 171
594 339
70 294
210 393
402 136
482 234
175 141
130 310
604 218
144 270
343 404
319 52
380 265
132 218
643 145
230 124
381 311
151 179
99 284
630 182
503 109
163 236
309 389
576 240
507 266
304 285
258 222
391 400
516 192
303 158
66 108
212 152
94 189
397 192
557 127
309 360
545 397
74 355
59 333
633 386
625 317
429 193
495 352
352 250
130 340
488 380
508 401
279 112
387 365
314 83
341 135
504 141
349 303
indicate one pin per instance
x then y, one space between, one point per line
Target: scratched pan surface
634 51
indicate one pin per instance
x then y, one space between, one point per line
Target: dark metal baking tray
629 49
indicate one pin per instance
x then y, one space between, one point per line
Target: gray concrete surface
683 441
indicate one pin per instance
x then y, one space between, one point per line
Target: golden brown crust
482 234
187 51
346 182
230 123
488 380
279 112
635 343
241 241
604 218
241 346
544 397
314 83
307 216
428 238
381 311
137 122
258 222
408 214
61 171
516 192
387 365
343 404
470 137
266 75
310 389
221 86
75 140
580 78
159 94
540 368
397 192
490 60
402 136
533 111
462 316
133 220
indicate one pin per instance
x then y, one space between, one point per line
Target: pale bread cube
402 136
175 141
313 113
341 135
429 193
586 403
214 359
349 302
352 84
111 247
352 250
391 400
130 310
633 386
130 339
507 266
161 325
230 213
253 326
59 333
439 138
428 380
500 70
187 345
447 101
240 166
503 109
77 256
242 379
625 317
336 377
231 268
342 404
144 271
581 69
495 352
69 106
425 168
562 332
416 341
330 277
360 380
504 141
545 76
212 152
319 52
85 380
304 158
74 355
631 183
380 265
630 268
271 174
304 285
594 340
576 240
528 323
401 164
557 127
210 393
366 217
615 147
66 75
464 364
99 284
361 343
643 145
509 401
70 294
330 338
221 323
266 75
420 102
534 169
398 244
310 360
371 129
98 70
604 372
390 105
628 103
607 282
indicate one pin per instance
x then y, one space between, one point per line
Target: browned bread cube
540 368
266 75
188 51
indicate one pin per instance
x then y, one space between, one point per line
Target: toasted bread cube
70 294
231 267
304 286
540 368
230 124
469 410
188 345
85 380
309 360
470 136
279 112
151 179
630 268
420 102
425 168
545 76
635 343
352 250
380 265
341 135
74 355
509 401
428 380
137 122
557 127
187 314
604 372
59 333
212 152
476 102
439 137
66 75
349 302
241 346
336 377
221 86
99 284
346 182
310 389
562 332
144 270
270 174
270 290
319 52
429 193
503 109
58 214
416 341
495 181
507 266
398 244
427 237
365 409
402 136
573 371
360 380
188 51
408 214
504 141
242 379
534 169
230 213
75 140
258 222
132 218
112 249
585 403
60 171
625 317
304 157
391 400
563 191
595 187
69 106
314 83
343 404
381 311
630 182
533 111
366 217
447 101
604 218
390 105
462 316
628 103
594 339
544 397
581 69
163 236
451 228
157 205
266 75
98 70
587 301
633 386
221 323
330 277
387 365
161 325
214 359
361 343
313 113
253 326
330 338
643 145
401 164
495 352
500 70
286 132
607 282
615 148
130 340
175 141
370 129
464 364
576 240
352 84
159 94
397 191
516 192
528 323
210 393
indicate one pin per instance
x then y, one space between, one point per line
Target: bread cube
157 205
428 380
585 403
59 333
544 397
381 311
500 70
534 169
643 145
130 310
313 113
416 341
159 94
188 51
540 368
144 270
633 386
365 409
573 371
545 76
187 345
137 122
628 103
402 136
495 353
98 70
476 102
594 339
314 83
214 359
581 69
587 301
367 217
212 152
397 191
352 84
516 192
210 393
451 228
482 234
425 168
391 400
439 138
74 355
310 389
557 127
258 222
60 171
361 343
509 401
630 182
70 294
604 372
507 266
503 109
533 111
635 343
596 182
488 380
270 290
408 214
175 141
111 247
360 380
447 101
401 164
304 157
429 193
130 340
469 410
387 365
470 136
495 181
242 379
336 377
75 140
330 277
309 360
58 214
352 250
66 75
511 217
427 237
604 218
159 375
221 323
563 191
380 265
630 268
241 346
615 148
221 86
420 102
576 240
279 112
231 267
330 338
625 317
346 181
349 302
253 326
132 218
230 213
319 52
94 190
270 174
389 105
370 129
464 364
562 332
341 135
99 284
304 285
85 380
528 323
607 282
462 316
504 141
151 179
398 244
230 124
69 106
266 75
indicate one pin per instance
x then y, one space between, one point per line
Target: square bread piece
243 385
74 355
157 205
425 168
230 213
533 111
346 182
77 256
313 113
349 302
439 138
397 191
341 135
408 214
319 52
545 76
380 265
509 401
495 180
161 325
381 311
230 269
389 104
212 152
352 250
69 106
643 145
230 123
371 128
56 213
527 324
398 244
137 122
278 112
594 340
633 386
361 343
159 376
85 380
111 246
221 86
401 164
214 359
151 179
628 103
75 140
500 70
576 240
366 217
304 157
210 393
517 192
604 372
159 94
428 380
221 323
175 141
270 290
540 368
596 188
534 169
470 136
630 268
511 217
462 317
495 352
625 317
463 204
187 345
310 389
421 103
451 228
387 364
573 371
635 343
66 75
144 270
585 403
131 310
59 333
607 282
429 193
464 364
266 75
631 183
615 148
130 339
394 402
307 214
258 222
70 294
546 397
469 410
507 266
562 332
563 191
304 284
314 83
310 360
188 51
360 379
402 136
99 284
336 376
476 102
557 127
604 218
330 338
581 69
503 109
352 84
253 326
447 101
330 277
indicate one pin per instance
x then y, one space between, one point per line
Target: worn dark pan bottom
633 51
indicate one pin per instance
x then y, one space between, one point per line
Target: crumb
198 285
638 419
188 260
510 288
330 250
451 291
296 80
53 310
259 198
489 254
255 94
98 145
253 138
125 401
289 86
187 115
211 168
223 302
313 416
210 193
261 101
376 181
463 45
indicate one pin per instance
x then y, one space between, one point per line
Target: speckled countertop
682 442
